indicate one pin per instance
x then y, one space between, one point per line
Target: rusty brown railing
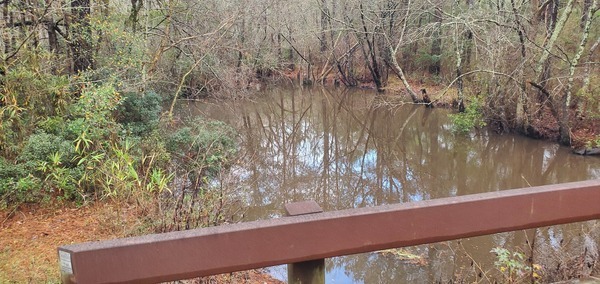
302 238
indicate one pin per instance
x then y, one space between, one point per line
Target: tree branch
541 88
477 71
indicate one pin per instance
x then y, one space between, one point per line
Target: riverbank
584 131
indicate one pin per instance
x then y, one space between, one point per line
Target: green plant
28 94
593 142
205 147
93 113
121 52
154 152
59 177
139 114
52 125
513 265
424 58
93 131
159 181
16 190
41 146
471 118
10 174
10 170
27 187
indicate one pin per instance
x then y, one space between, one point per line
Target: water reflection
347 149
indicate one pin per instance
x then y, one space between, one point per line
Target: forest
88 88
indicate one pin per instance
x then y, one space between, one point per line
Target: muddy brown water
349 149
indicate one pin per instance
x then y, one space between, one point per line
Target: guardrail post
307 271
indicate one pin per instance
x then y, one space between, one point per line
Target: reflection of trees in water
438 266
569 251
376 268
340 150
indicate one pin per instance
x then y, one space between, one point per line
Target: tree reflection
342 150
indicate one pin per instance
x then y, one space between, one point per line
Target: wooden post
306 272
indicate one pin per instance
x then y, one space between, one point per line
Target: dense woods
523 58
83 80
88 88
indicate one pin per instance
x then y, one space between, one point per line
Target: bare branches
448 86
541 88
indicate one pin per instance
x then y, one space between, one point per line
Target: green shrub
472 117
180 138
40 93
61 178
27 189
206 146
74 128
424 58
10 170
154 151
93 114
41 146
10 175
118 171
53 125
139 114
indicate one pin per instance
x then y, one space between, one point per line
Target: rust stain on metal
228 248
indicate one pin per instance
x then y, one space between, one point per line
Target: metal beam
228 248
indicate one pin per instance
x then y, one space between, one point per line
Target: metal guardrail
243 246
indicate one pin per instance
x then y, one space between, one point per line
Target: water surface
350 149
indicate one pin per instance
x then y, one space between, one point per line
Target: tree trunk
459 82
522 116
463 39
555 31
370 54
565 117
535 4
588 74
459 50
81 34
396 68
587 6
136 7
7 17
324 25
52 36
436 44
544 66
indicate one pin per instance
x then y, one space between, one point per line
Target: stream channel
349 149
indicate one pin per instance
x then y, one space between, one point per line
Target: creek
349 149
